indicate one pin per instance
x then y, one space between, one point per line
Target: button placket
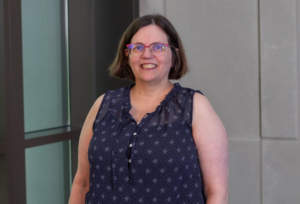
132 145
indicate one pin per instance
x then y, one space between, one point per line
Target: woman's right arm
81 181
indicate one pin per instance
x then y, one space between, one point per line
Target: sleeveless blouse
154 161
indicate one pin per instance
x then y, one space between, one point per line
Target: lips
148 66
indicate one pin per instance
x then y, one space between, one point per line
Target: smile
148 66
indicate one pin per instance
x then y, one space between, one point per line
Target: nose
147 53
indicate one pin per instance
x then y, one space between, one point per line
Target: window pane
3 180
44 64
2 75
48 173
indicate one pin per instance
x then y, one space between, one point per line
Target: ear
126 52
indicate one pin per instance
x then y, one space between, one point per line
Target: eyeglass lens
156 48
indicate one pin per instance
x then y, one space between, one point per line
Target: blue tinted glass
139 47
45 73
157 47
48 173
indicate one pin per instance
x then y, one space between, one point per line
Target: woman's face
147 67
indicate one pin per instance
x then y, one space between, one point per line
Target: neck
144 89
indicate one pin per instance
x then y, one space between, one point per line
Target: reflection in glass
48 173
44 64
3 180
2 76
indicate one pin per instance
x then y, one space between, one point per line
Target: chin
148 78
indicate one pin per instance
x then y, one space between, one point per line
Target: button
130 145
129 160
134 133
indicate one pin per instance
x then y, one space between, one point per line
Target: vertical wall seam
139 6
297 66
259 100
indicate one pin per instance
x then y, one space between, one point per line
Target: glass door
46 100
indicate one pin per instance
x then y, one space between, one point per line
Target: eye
139 47
158 47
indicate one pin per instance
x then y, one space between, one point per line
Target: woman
154 141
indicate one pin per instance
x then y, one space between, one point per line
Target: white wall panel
244 171
152 7
279 93
221 42
280 172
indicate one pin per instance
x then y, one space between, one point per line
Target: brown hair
120 67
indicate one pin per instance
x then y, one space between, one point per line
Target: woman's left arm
211 141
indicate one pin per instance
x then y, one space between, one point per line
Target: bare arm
81 181
212 145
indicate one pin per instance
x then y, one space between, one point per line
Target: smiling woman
120 68
147 65
153 141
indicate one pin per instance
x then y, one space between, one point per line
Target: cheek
132 61
167 61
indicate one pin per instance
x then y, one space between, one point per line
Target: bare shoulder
97 103
211 141
88 123
82 174
87 131
200 101
206 124
202 109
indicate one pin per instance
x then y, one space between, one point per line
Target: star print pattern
153 161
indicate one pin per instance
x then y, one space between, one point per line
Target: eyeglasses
155 48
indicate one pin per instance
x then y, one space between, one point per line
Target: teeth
148 66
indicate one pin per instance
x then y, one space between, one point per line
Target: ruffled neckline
167 97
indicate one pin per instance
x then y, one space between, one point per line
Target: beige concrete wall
279 33
243 54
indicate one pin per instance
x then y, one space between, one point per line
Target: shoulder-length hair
120 67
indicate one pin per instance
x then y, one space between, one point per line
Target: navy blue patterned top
154 161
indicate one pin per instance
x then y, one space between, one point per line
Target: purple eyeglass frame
145 45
